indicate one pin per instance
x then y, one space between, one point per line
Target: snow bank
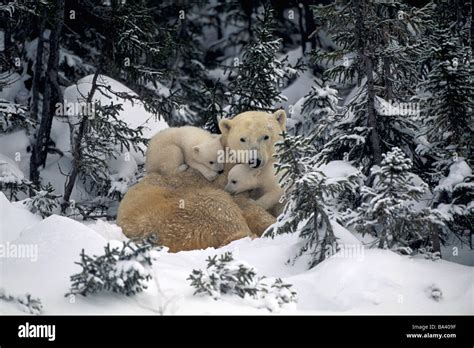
458 171
13 219
298 89
13 146
337 169
53 246
9 171
295 114
124 167
355 280
108 231
380 281
133 113
14 89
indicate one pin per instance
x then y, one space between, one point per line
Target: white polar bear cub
173 150
242 178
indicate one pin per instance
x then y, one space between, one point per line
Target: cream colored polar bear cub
243 178
173 150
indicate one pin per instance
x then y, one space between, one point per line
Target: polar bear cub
173 150
243 178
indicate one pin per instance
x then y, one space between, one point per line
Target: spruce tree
14 117
125 270
447 104
187 72
98 138
307 192
453 198
128 53
390 209
213 111
225 275
52 93
448 89
255 80
319 115
44 201
375 46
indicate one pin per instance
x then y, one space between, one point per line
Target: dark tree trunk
310 25
247 7
371 115
4 32
76 148
38 67
219 27
52 96
387 79
436 244
302 29
363 51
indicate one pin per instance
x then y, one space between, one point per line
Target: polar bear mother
185 211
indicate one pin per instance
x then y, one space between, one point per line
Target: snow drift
358 282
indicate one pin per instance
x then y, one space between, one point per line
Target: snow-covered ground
355 281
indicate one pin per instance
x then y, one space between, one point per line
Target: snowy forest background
380 91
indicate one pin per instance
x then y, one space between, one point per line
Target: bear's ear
280 117
224 126
196 149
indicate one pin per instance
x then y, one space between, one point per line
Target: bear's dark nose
220 171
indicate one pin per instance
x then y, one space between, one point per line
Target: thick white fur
173 150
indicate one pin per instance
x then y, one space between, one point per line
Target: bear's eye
234 181
211 162
266 137
242 140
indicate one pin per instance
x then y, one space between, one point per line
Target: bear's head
254 132
207 154
242 178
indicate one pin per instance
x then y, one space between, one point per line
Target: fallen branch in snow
27 303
